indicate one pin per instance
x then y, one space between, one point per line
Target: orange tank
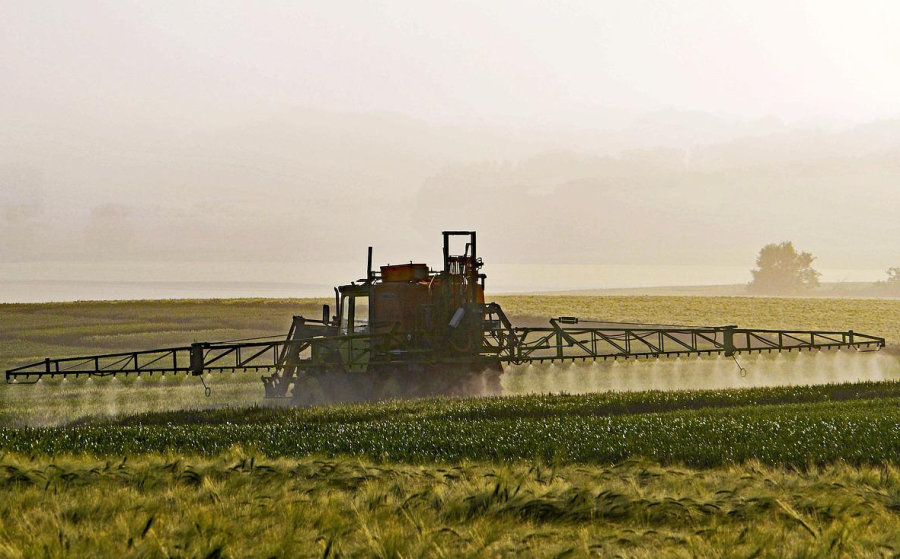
404 273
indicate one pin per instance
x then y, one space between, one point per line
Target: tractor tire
339 387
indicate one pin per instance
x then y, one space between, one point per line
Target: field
108 468
244 506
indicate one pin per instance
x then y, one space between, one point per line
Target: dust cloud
702 373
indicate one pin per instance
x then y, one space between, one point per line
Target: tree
781 270
890 286
893 276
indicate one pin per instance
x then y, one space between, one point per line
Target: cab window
355 314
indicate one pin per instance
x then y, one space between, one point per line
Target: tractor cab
354 309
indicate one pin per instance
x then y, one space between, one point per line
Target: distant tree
890 286
781 270
893 276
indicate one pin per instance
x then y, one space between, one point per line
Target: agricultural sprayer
410 331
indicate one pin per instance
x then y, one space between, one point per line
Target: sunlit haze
271 142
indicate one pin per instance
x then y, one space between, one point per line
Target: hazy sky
604 132
521 61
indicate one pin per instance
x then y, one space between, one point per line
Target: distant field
765 471
30 332
828 290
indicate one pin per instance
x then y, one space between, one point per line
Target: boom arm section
195 359
565 340
573 343
258 354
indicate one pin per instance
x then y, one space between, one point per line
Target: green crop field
239 505
150 467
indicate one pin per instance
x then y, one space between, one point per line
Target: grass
243 506
152 468
240 505
787 428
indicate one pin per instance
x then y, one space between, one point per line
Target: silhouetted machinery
410 331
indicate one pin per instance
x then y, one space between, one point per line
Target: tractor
409 331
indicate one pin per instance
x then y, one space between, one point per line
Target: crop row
797 435
529 406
